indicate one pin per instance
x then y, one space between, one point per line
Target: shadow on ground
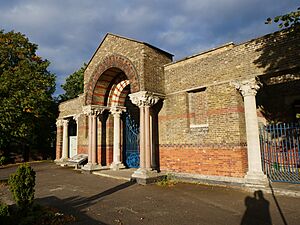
75 205
257 210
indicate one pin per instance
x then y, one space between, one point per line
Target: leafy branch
291 19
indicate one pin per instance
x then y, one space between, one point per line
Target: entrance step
122 174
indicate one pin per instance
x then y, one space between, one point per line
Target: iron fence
280 151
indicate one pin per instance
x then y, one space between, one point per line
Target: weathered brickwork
253 58
201 121
154 71
216 162
224 119
224 123
71 107
137 53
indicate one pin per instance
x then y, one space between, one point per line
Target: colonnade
144 100
63 137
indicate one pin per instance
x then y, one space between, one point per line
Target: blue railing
132 142
280 150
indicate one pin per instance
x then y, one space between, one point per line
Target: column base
90 167
144 176
61 161
256 179
117 166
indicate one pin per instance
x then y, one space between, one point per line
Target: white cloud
69 31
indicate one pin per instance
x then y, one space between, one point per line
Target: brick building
197 117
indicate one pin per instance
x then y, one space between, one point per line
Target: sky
68 32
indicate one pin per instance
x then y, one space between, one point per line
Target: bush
21 184
3 160
3 210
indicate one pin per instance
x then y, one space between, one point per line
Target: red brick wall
109 154
205 161
82 149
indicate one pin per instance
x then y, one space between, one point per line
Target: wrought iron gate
131 145
280 151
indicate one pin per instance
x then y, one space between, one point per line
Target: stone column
248 89
116 164
142 137
59 137
144 100
92 112
65 144
147 138
90 143
94 138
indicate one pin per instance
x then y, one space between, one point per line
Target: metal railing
280 150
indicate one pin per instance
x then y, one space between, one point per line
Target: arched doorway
119 129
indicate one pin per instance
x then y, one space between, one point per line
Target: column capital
59 122
145 98
65 122
75 117
117 110
93 109
247 87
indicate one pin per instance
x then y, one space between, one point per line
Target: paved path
100 200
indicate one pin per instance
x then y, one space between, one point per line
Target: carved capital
76 117
247 87
144 98
91 110
65 122
116 111
59 122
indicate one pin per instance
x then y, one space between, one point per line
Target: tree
291 19
74 84
27 108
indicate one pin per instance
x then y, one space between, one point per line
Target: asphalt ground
100 200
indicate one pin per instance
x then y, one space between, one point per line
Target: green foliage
3 160
3 210
27 108
21 184
291 19
167 181
74 84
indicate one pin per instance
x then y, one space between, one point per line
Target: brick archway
113 61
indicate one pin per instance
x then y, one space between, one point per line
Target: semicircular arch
113 61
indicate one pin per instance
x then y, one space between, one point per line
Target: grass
167 181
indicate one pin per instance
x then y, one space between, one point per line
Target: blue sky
69 31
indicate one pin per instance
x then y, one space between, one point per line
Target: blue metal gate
131 145
280 150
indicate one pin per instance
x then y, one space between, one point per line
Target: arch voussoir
108 62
